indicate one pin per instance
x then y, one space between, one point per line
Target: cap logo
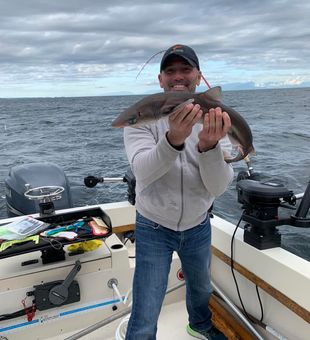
177 48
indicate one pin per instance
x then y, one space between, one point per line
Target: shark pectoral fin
226 155
242 154
229 159
181 106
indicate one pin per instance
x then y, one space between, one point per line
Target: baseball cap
182 51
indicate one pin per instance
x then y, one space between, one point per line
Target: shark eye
132 120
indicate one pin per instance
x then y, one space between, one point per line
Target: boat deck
172 325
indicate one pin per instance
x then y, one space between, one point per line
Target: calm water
75 133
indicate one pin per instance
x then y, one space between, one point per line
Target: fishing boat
72 288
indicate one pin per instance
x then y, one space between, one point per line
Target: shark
156 106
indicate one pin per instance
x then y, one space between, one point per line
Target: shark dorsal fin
215 93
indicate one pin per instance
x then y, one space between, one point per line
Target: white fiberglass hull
285 276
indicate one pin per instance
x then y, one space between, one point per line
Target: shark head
135 115
151 108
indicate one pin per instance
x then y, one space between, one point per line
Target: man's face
178 75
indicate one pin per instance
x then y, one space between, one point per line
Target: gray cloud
75 39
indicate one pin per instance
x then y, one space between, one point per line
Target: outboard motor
26 176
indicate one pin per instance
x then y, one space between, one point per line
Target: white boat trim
284 272
286 264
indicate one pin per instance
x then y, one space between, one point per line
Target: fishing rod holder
129 178
249 173
261 201
92 181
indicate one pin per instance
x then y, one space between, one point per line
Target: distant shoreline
125 94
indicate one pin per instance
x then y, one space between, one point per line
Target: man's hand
216 124
182 122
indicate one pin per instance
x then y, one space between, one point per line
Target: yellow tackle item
85 246
7 244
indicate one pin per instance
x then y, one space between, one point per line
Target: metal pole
112 179
112 318
304 205
237 311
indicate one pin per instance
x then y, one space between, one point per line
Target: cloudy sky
97 47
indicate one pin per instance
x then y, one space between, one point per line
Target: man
179 169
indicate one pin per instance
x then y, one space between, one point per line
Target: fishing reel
261 201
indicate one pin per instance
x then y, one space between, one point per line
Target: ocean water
75 133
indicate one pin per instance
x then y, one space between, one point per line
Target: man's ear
198 79
160 81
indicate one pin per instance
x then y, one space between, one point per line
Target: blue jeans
154 247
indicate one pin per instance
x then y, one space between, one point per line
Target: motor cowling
33 175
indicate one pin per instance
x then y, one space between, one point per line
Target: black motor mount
261 201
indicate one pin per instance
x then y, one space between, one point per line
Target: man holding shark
180 169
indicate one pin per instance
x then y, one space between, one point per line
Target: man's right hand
182 122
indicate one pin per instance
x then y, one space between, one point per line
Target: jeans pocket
204 222
201 231
143 222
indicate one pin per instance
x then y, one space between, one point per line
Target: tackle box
52 248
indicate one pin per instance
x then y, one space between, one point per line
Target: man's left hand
216 124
